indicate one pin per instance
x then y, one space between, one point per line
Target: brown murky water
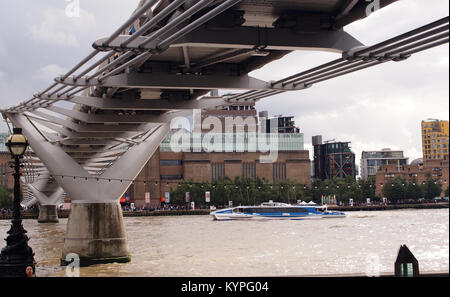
362 243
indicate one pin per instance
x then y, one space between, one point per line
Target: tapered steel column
95 229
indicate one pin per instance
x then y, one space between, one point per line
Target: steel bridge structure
96 126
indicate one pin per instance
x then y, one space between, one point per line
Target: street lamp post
17 255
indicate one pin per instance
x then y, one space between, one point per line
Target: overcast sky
375 108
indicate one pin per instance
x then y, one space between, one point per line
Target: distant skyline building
277 124
246 112
372 160
333 159
435 140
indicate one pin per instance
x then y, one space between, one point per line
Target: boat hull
275 211
243 217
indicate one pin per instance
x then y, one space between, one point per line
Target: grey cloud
49 72
3 50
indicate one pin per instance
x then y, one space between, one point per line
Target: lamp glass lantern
17 143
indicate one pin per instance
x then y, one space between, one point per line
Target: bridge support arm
247 38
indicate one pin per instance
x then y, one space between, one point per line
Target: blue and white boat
275 210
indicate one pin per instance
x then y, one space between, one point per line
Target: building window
171 177
279 172
249 169
217 171
4 176
170 162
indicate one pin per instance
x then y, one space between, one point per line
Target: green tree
431 189
5 198
395 190
341 190
317 190
344 189
367 187
414 191
241 191
249 191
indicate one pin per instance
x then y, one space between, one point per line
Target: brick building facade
416 173
168 167
6 178
166 170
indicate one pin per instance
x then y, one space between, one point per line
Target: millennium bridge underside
93 129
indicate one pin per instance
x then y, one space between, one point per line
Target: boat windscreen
276 210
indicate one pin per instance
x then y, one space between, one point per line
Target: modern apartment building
435 143
372 160
277 124
333 159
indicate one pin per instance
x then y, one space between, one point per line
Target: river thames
193 246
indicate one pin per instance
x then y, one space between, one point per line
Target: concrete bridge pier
95 234
48 214
48 194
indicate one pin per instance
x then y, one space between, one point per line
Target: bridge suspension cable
44 99
396 49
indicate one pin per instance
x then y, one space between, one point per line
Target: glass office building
185 141
372 160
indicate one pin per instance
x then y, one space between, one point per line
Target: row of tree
246 191
399 190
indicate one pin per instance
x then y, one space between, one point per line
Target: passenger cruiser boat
275 210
